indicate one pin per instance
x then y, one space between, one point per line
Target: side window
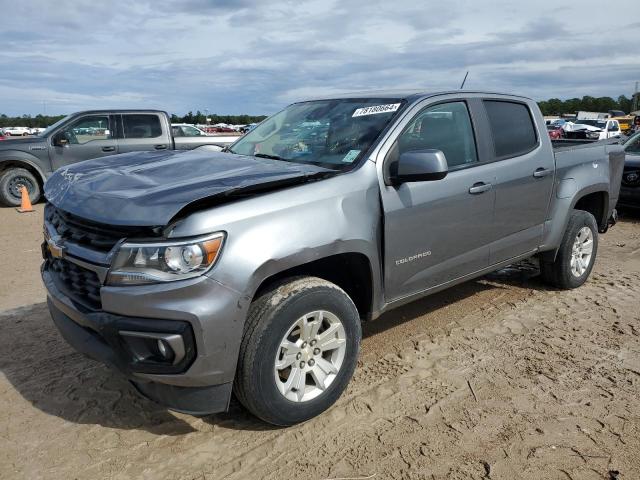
191 132
177 131
633 145
87 129
512 128
613 127
141 126
446 127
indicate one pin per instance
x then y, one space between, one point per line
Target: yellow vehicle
626 123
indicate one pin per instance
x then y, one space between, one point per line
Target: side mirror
419 166
60 140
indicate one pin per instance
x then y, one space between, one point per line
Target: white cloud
243 56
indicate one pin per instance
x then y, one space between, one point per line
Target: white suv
17 131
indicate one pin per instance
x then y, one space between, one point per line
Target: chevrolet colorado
198 274
81 136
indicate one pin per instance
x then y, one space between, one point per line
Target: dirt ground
499 378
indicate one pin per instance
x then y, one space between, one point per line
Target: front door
437 231
90 136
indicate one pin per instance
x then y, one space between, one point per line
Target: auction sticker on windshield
350 156
374 109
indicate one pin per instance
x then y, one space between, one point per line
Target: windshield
48 130
329 133
593 123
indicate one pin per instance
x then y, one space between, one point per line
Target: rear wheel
298 352
576 255
11 183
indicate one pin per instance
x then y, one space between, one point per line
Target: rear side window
141 126
512 128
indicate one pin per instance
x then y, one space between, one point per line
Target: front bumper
207 315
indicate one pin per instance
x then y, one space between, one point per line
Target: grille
79 284
90 234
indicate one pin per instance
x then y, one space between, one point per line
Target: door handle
160 147
542 172
480 187
108 149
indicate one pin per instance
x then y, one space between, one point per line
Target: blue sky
242 56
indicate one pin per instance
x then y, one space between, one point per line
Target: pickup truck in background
630 191
85 135
592 129
199 273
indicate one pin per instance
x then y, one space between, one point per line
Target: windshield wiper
266 155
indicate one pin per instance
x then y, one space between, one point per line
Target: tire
10 182
270 392
567 272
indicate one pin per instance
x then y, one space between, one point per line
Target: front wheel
299 350
11 183
576 255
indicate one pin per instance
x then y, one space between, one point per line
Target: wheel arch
593 199
351 271
26 163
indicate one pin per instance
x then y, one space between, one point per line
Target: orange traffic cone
25 204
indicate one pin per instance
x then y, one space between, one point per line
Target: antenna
465 79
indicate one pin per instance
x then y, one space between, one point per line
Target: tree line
553 106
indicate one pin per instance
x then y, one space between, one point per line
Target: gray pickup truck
82 136
198 274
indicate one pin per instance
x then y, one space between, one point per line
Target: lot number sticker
375 109
350 156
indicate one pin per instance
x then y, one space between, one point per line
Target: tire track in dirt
554 377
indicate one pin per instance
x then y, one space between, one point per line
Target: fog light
152 347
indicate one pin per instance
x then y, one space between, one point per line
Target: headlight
138 263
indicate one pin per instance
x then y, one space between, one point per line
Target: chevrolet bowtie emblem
57 251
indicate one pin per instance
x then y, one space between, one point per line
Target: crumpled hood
580 127
150 188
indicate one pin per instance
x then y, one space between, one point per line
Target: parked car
185 130
84 135
17 131
630 191
250 270
555 131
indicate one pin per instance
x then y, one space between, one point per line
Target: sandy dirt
499 378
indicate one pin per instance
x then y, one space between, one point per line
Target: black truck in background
81 136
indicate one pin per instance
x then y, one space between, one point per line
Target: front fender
270 233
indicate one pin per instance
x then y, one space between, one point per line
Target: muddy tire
298 352
576 255
10 182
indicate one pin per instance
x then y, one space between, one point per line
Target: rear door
437 231
143 131
524 178
89 136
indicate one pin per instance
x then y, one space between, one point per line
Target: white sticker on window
373 110
350 156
